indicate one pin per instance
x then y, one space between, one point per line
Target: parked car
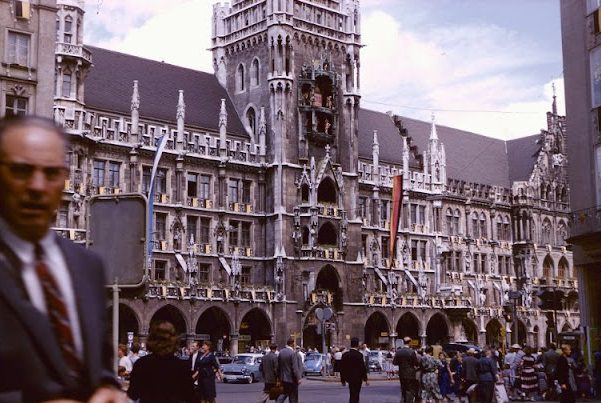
460 347
223 357
243 368
315 363
376 360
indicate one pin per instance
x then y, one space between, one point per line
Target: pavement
372 376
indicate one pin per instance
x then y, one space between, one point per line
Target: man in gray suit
269 370
52 297
290 372
406 359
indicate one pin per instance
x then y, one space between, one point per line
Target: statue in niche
327 125
505 292
527 294
422 281
329 103
493 263
77 202
220 236
279 278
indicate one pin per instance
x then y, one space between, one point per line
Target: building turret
135 109
181 115
222 129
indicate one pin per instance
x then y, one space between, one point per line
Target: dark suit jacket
562 371
352 367
32 367
269 367
290 366
161 380
407 360
470 369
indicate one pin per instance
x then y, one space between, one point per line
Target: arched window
327 235
251 119
563 268
67 35
254 73
240 78
475 226
506 229
456 218
548 267
546 232
326 192
450 228
66 86
483 227
305 192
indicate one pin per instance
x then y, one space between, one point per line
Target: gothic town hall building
273 195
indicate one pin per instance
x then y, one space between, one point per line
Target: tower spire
554 99
433 132
135 109
180 116
222 127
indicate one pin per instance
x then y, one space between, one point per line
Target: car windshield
373 353
242 359
312 358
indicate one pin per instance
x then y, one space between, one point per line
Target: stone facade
273 195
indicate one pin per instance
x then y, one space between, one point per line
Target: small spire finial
554 106
433 132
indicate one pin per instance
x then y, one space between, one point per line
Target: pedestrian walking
337 358
445 381
487 377
161 377
456 367
408 363
52 298
290 372
469 372
528 377
429 379
353 371
549 362
565 375
269 370
207 370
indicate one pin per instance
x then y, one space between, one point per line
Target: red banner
397 203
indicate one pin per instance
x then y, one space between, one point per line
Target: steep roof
522 154
110 81
470 157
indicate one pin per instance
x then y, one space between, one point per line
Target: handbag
276 390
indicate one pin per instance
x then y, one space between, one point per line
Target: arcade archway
328 280
437 331
522 333
173 315
128 322
214 325
312 333
255 330
377 331
471 331
494 334
408 325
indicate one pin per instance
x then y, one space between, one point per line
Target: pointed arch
328 279
548 267
437 330
305 192
305 235
326 192
215 325
240 78
257 327
563 268
327 235
494 335
375 326
172 314
128 321
408 325
255 72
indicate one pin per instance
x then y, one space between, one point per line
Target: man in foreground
290 372
52 297
353 371
408 363
269 370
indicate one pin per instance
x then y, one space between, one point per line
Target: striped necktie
57 313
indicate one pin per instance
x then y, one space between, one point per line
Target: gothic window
240 78
305 235
203 272
146 173
327 235
245 276
506 229
450 228
549 192
66 87
385 249
114 171
475 226
562 233
564 195
159 269
305 193
251 120
483 229
563 269
160 184
254 73
191 228
205 187
246 191
232 190
326 192
160 226
192 184
67 31
234 236
456 218
548 267
245 234
437 172
546 232
15 106
98 173
205 230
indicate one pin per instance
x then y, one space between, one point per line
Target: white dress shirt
55 261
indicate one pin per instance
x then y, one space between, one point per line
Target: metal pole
515 322
323 337
555 332
115 325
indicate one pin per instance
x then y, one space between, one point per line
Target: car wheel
251 379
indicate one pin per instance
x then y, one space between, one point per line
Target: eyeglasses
23 171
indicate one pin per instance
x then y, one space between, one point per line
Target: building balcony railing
241 250
585 221
176 290
73 50
196 202
241 207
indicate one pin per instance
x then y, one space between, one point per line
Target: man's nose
37 181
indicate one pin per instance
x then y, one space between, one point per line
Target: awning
182 261
382 277
226 266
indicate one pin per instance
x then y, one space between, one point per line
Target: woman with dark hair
206 369
161 377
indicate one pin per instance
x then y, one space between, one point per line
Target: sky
478 65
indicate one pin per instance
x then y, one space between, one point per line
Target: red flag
397 203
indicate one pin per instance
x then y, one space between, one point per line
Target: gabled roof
109 85
522 154
470 157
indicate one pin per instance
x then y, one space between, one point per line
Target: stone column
234 344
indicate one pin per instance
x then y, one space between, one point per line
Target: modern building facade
273 196
27 41
580 26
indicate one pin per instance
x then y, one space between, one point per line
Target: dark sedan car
459 347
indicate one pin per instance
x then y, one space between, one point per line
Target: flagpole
157 157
